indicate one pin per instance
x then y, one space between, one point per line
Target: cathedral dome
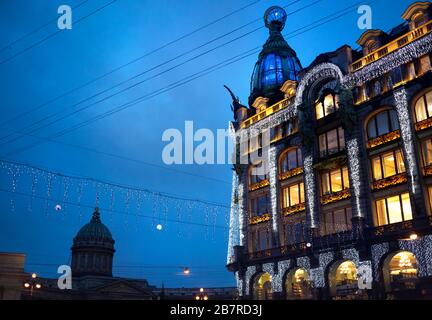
93 249
277 61
95 229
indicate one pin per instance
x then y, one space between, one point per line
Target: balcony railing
422 125
392 46
259 185
293 209
291 173
265 113
427 171
336 196
259 219
390 181
394 135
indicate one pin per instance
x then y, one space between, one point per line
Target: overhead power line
54 34
188 79
141 81
36 30
25 113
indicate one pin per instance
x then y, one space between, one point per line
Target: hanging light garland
104 192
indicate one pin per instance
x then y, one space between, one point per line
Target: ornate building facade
343 209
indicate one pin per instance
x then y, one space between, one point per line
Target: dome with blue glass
277 61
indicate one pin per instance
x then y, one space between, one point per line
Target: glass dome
275 16
277 61
273 70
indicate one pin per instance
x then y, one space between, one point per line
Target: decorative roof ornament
275 18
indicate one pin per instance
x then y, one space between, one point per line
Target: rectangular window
259 205
393 210
293 195
334 180
294 233
331 142
427 152
336 221
388 164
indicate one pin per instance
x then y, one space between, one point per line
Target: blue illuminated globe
275 18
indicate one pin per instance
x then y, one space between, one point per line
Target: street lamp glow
38 286
34 275
26 285
197 298
205 298
202 290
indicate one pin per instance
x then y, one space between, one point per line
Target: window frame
389 121
381 159
328 173
300 196
320 103
339 130
387 209
284 158
254 204
323 222
423 97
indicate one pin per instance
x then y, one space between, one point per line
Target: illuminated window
430 199
331 142
291 159
328 105
260 205
423 107
345 279
336 221
387 165
334 181
427 152
258 173
293 195
393 210
382 123
402 269
262 287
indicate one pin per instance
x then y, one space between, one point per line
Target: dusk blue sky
117 34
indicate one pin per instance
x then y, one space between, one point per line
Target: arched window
271 71
382 123
419 20
298 285
291 159
327 105
400 271
343 279
371 46
423 107
262 289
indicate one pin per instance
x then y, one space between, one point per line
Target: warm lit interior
393 209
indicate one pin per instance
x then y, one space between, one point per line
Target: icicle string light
353 152
402 109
